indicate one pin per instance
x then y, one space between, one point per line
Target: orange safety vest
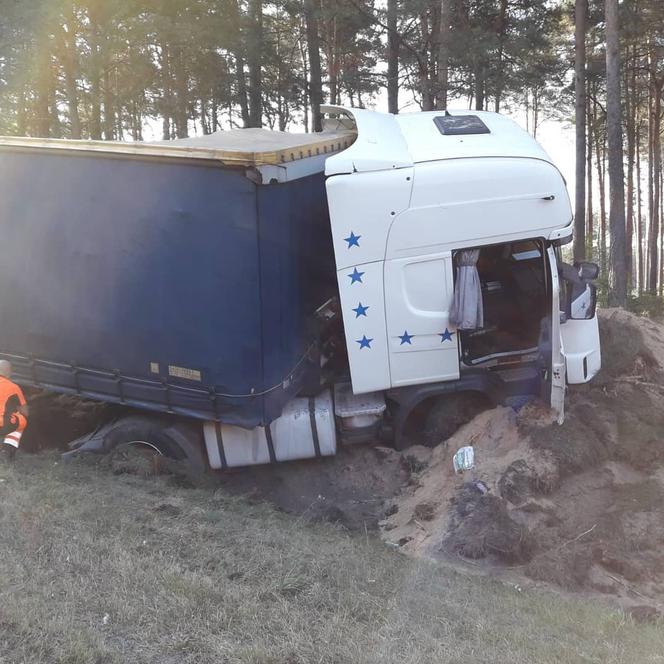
11 398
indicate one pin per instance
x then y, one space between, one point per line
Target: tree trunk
661 230
254 61
305 91
107 93
426 84
243 98
501 33
443 55
214 114
580 120
590 232
42 110
600 163
282 102
656 191
181 81
392 57
639 213
603 221
67 44
655 169
479 86
205 126
236 19
315 74
630 111
109 110
21 118
56 127
618 272
333 60
426 91
650 186
94 16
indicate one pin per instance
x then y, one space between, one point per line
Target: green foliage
133 60
106 68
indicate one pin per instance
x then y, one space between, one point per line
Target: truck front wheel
178 440
450 412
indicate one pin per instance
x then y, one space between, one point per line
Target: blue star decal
364 342
446 336
406 338
353 240
360 310
356 276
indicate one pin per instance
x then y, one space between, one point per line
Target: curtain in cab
467 311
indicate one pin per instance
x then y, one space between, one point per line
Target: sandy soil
578 505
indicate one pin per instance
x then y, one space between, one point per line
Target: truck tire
182 441
450 412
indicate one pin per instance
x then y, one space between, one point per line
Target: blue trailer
222 280
166 283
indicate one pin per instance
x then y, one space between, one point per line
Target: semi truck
253 296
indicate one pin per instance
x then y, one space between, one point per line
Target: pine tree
581 8
618 293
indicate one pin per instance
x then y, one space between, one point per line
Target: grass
97 568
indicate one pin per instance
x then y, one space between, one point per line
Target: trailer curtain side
174 285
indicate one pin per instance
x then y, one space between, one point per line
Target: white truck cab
407 200
447 230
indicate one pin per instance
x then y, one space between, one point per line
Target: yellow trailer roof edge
273 148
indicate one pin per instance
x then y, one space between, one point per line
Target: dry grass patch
101 569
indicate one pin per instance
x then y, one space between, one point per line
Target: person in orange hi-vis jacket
13 411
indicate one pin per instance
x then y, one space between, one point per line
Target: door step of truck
518 374
519 381
357 411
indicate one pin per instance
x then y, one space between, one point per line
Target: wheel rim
143 445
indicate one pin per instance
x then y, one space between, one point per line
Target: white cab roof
387 141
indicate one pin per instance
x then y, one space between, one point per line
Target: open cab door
557 369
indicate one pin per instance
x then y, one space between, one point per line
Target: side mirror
587 271
582 302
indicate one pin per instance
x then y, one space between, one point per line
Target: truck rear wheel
181 441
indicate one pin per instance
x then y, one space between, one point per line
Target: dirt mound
350 489
481 526
577 505
57 419
469 514
632 346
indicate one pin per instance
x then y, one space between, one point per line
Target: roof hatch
459 125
